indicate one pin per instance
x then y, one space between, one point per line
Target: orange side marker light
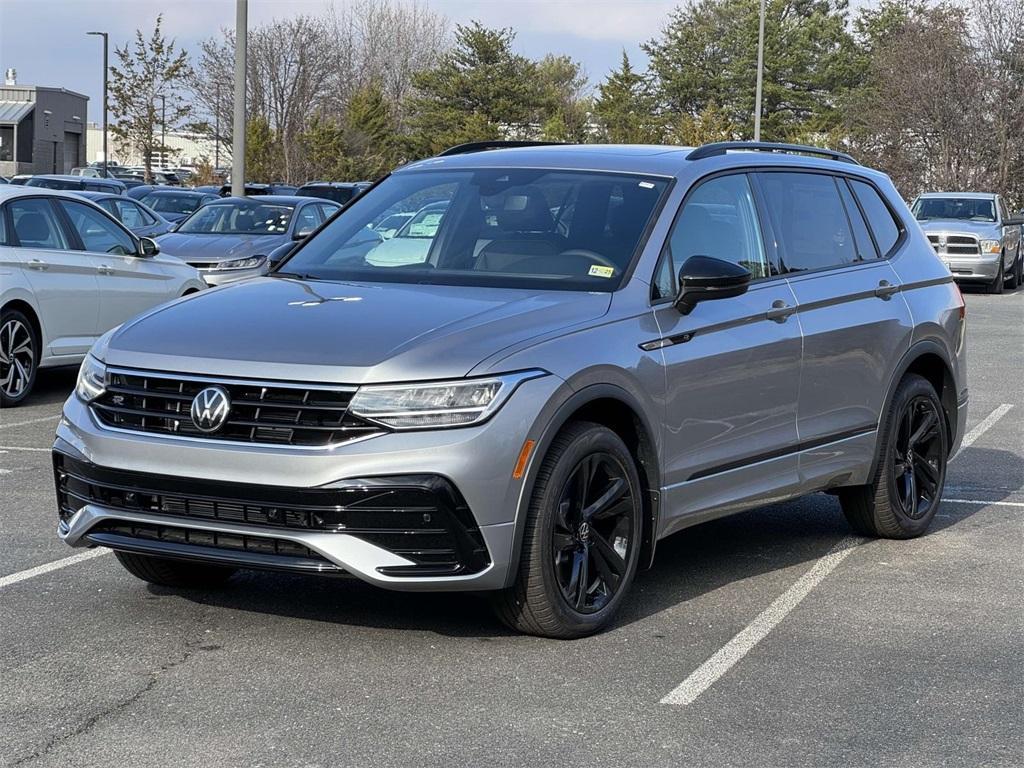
524 456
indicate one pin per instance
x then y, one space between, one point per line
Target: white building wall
188 149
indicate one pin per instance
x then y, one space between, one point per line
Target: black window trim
764 226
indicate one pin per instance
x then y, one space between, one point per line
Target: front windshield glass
512 227
165 203
967 208
239 217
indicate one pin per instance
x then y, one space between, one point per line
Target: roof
966 195
15 111
289 199
648 159
8 191
177 191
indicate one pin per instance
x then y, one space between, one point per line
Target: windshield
523 227
967 208
165 203
239 217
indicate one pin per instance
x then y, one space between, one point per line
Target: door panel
128 284
63 281
731 399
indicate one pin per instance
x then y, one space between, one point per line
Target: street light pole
216 128
163 130
238 142
760 75
105 72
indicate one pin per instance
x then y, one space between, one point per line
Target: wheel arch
614 407
30 312
929 359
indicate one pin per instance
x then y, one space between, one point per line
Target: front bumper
476 462
979 268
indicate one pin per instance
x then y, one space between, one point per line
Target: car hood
981 229
350 333
209 249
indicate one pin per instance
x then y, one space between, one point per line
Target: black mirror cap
302 234
1016 221
149 246
703 277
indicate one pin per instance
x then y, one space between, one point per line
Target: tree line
931 93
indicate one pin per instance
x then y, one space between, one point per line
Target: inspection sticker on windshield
598 271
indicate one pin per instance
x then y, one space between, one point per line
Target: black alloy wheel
592 533
916 465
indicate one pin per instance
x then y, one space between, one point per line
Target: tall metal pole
106 72
163 131
216 128
238 142
760 76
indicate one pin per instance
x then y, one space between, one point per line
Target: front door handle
39 265
104 269
885 289
780 311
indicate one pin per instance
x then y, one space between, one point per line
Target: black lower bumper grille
421 518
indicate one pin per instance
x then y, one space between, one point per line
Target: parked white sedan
69 272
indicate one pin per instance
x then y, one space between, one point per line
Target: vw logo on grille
210 409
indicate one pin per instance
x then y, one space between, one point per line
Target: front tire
1017 275
179 574
19 357
904 494
997 285
581 543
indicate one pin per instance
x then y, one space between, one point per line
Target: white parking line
728 655
986 503
30 421
985 425
39 570
22 448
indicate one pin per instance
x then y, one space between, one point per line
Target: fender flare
558 419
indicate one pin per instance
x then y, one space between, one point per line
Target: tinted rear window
880 219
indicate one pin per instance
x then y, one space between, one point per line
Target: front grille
422 518
270 413
955 245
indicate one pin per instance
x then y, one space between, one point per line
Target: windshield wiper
295 275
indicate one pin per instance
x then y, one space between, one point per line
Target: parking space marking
984 425
740 645
6 448
39 570
30 421
981 503
728 655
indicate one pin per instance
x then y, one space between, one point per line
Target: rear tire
181 574
997 285
19 357
1017 276
581 543
904 494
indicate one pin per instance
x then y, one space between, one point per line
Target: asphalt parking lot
771 638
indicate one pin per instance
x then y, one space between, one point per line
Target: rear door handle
38 264
780 311
885 289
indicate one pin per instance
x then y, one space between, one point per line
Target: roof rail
480 146
721 147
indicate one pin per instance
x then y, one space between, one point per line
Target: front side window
880 218
809 220
239 217
719 219
508 227
97 231
307 219
35 224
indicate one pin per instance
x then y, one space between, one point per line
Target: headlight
438 404
248 263
990 246
92 379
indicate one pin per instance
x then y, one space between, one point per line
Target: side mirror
702 278
1016 221
302 234
149 246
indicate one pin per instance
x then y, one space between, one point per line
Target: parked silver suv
975 236
595 347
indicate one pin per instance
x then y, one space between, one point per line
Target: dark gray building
42 130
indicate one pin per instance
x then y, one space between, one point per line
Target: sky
45 40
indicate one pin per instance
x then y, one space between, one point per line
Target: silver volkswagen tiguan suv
580 351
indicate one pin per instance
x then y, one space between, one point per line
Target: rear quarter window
880 218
